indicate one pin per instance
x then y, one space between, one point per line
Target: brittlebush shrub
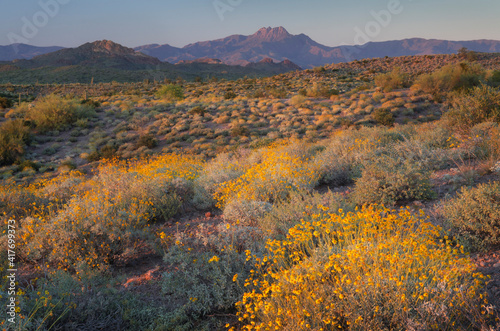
279 170
344 155
474 215
223 168
108 213
338 162
376 269
17 201
301 205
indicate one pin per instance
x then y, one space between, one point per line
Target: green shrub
29 164
321 91
392 179
229 95
202 285
392 80
465 54
297 100
451 77
106 152
319 69
88 301
494 78
277 93
147 140
5 103
239 130
383 117
91 103
474 215
13 138
197 110
481 104
246 212
52 112
170 92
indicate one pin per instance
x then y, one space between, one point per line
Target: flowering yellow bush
18 201
375 269
273 178
107 212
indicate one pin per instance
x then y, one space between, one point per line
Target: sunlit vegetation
375 269
347 197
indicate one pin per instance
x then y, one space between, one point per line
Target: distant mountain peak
271 34
266 60
107 46
98 53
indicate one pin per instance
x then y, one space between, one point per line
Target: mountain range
106 61
279 45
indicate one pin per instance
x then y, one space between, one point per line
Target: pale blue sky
180 22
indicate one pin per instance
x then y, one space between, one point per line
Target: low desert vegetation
334 198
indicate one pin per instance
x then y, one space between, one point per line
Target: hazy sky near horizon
70 23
